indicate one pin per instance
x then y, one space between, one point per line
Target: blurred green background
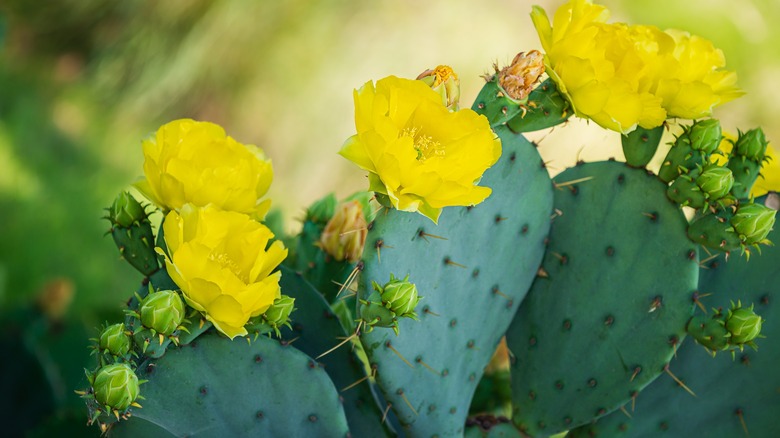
83 81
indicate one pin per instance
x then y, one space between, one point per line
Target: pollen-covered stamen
425 145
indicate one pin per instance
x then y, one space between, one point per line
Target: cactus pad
605 316
472 271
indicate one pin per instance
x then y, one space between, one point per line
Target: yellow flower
624 76
222 262
420 155
197 163
691 83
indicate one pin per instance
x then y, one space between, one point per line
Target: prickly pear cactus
218 387
472 271
734 397
610 306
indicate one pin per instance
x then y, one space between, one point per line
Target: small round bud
345 234
279 312
753 222
400 296
162 311
751 145
114 339
126 210
743 324
715 181
705 135
116 386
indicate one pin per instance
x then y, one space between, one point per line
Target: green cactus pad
605 317
493 103
472 271
316 329
728 391
218 387
546 108
640 145
488 426
320 269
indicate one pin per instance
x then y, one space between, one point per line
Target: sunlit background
83 81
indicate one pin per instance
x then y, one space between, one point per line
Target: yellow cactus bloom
623 76
420 155
222 262
197 163
691 83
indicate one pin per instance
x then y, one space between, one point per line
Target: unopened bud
279 313
743 324
715 181
753 222
116 386
705 135
400 296
114 340
345 234
126 210
751 145
162 311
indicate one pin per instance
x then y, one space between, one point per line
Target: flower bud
116 386
715 181
445 82
114 339
751 145
743 324
162 311
705 135
400 296
345 234
753 222
279 312
126 210
519 78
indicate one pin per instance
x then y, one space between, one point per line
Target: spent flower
345 233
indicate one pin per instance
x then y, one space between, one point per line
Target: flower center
443 73
425 145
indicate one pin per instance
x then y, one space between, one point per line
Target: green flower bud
751 145
162 311
114 339
373 313
753 222
126 210
279 312
715 181
705 135
400 296
116 386
709 332
743 324
321 211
